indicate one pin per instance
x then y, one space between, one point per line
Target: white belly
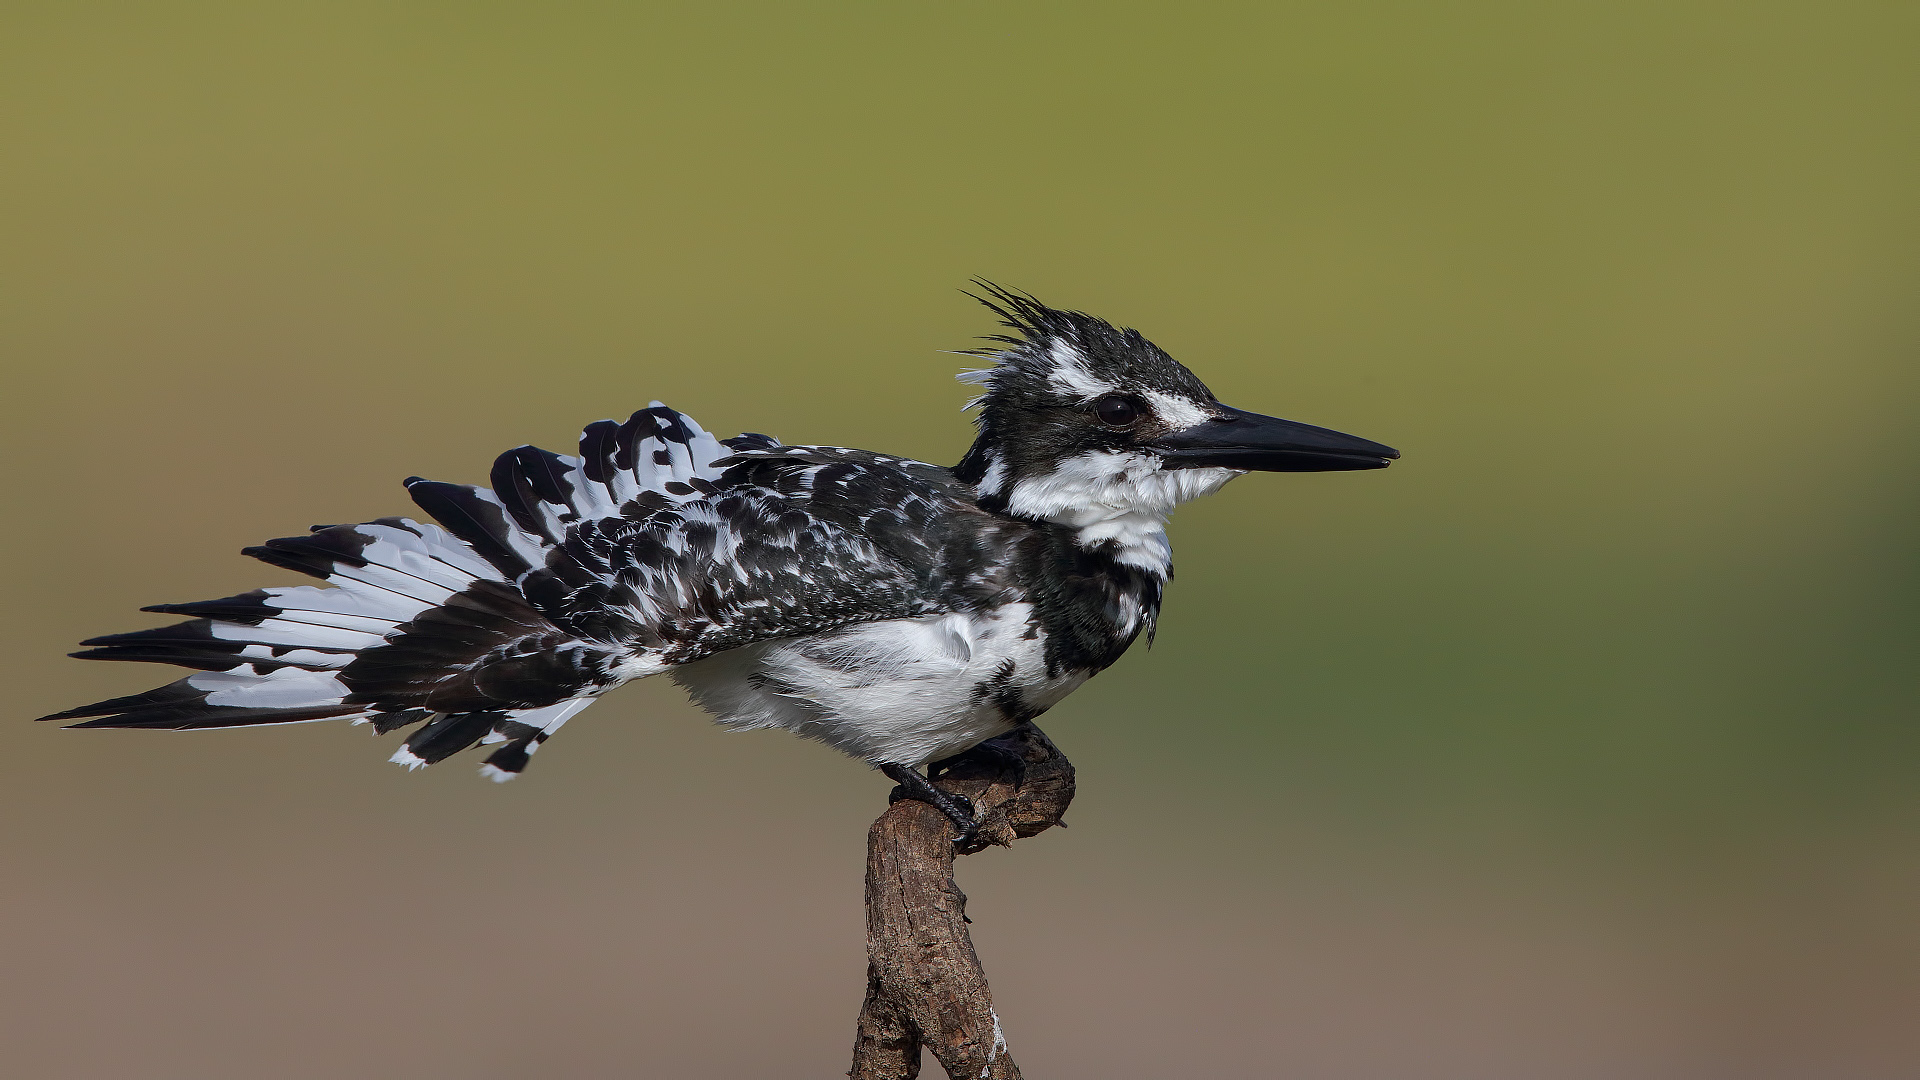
903 692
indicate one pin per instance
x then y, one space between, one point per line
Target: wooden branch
925 986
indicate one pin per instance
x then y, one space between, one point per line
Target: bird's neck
1113 503
1097 556
1091 605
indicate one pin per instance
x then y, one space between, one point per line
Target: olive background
1579 744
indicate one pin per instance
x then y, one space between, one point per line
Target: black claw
958 808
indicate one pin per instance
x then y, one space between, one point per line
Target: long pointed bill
1244 440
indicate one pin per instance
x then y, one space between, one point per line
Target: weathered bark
925 986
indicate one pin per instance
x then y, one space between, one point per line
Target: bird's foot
958 808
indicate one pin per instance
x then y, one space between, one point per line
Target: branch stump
925 986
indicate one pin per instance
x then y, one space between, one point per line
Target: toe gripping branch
951 786
958 808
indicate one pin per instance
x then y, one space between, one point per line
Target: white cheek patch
1070 375
1116 497
1178 413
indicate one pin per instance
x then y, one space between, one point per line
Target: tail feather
522 735
241 697
214 655
443 737
311 555
478 519
191 720
530 483
307 604
276 634
455 626
412 616
384 722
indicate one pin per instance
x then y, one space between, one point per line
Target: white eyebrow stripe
1177 412
1070 375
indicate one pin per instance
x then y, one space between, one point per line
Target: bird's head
1093 426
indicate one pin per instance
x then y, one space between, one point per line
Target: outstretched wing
423 625
655 546
767 541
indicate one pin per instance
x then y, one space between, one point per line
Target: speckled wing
782 541
656 545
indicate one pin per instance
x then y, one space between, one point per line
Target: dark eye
1116 411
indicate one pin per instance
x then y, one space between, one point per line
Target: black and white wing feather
657 545
785 541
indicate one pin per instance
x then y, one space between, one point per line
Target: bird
901 612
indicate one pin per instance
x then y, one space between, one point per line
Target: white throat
1118 497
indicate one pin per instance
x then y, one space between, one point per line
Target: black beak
1244 440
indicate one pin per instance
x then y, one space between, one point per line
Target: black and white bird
899 611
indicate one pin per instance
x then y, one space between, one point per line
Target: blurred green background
1580 744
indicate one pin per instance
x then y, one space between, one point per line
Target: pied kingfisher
901 612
